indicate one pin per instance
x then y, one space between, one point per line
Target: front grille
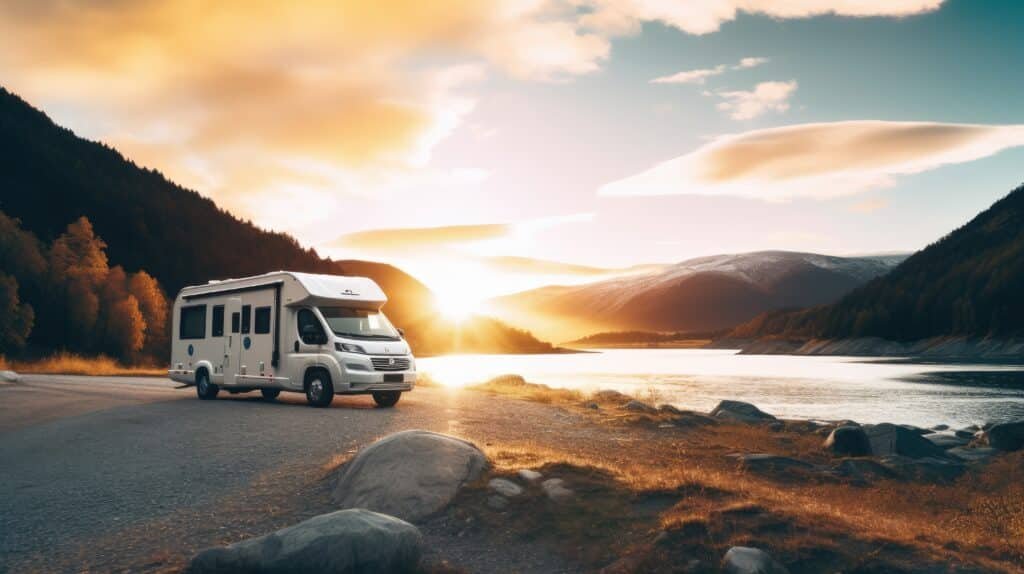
390 363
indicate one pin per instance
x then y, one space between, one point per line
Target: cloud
821 160
531 266
401 239
623 16
869 205
765 97
699 76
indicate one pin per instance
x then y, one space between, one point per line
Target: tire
270 394
205 390
319 389
387 399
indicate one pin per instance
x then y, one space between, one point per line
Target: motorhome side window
262 320
217 322
246 318
235 321
192 324
310 330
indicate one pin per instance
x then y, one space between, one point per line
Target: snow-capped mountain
705 293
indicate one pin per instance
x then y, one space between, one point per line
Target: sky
489 147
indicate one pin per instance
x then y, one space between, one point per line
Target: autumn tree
22 266
153 305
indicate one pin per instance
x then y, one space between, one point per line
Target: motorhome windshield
359 323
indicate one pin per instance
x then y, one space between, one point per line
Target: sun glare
456 307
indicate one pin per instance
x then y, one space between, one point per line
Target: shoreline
954 349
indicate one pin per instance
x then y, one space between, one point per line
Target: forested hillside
50 178
969 283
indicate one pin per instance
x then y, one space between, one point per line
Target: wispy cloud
765 97
821 160
700 76
421 237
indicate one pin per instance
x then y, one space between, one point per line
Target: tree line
65 295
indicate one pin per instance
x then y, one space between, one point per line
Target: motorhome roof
317 289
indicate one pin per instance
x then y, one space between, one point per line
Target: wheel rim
316 389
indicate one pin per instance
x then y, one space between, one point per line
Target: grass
516 387
64 363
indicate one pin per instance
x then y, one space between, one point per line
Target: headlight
349 348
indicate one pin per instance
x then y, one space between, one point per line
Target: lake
864 389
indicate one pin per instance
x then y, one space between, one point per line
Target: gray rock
593 406
946 441
973 455
964 433
915 429
669 409
927 469
346 541
745 560
940 427
889 439
1006 436
497 502
9 377
556 490
863 469
505 487
410 474
848 441
764 462
692 419
639 407
529 475
741 412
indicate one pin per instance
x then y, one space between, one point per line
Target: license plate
394 378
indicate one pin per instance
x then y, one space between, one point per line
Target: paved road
104 473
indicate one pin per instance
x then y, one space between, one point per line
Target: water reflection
789 386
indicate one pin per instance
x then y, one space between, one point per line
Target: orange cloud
422 237
818 160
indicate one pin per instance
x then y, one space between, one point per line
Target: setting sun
457 307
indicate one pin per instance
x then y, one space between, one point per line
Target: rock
914 429
973 455
889 439
497 502
346 541
848 441
505 487
1006 436
669 409
764 462
964 433
639 407
946 441
863 469
555 489
940 427
592 405
609 396
928 469
692 419
741 412
529 475
745 560
9 377
410 474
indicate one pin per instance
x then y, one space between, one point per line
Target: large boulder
925 469
346 541
946 441
410 474
746 560
848 441
863 470
741 412
1006 436
771 463
9 377
888 439
639 407
980 454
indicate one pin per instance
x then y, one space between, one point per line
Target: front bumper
361 382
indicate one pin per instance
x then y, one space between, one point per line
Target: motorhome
320 335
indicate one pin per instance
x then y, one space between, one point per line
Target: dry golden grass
64 363
514 386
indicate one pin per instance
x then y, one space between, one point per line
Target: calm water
863 389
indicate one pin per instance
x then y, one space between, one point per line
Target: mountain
49 177
967 284
703 294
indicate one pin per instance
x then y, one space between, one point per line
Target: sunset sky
600 134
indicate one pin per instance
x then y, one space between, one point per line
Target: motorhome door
233 316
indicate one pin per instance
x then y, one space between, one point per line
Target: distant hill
49 177
703 294
970 283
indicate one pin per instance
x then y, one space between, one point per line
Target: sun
457 307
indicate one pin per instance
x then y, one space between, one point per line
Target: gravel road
127 473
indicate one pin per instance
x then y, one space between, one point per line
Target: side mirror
312 335
401 332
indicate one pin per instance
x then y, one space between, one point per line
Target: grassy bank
72 364
657 489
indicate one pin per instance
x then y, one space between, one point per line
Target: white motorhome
284 331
